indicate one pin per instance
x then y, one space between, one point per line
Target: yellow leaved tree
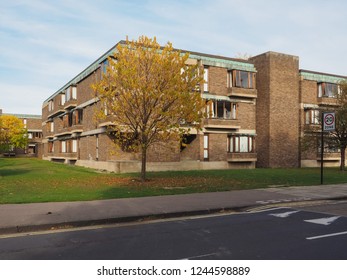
152 95
12 133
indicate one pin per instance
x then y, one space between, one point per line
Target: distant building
256 112
33 124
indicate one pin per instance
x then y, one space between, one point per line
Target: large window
328 90
312 117
71 93
242 79
241 144
221 109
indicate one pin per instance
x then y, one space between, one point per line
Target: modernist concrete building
256 112
33 124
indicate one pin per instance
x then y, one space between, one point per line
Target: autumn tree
152 95
12 133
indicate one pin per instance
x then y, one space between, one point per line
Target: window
74 146
206 147
242 79
77 116
327 90
70 93
104 66
328 147
50 106
241 144
30 135
50 147
25 123
63 146
62 99
66 121
206 79
74 93
50 127
97 147
221 109
312 117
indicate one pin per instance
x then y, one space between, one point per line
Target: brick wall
84 89
192 150
164 152
217 147
246 115
217 80
308 92
262 110
277 110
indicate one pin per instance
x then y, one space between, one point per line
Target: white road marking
326 235
285 214
323 221
200 256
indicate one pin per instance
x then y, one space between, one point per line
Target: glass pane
205 141
231 144
220 109
244 79
243 144
227 110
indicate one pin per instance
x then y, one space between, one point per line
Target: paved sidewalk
38 216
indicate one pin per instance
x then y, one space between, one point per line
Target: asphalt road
273 234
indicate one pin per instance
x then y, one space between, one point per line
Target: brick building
33 124
255 116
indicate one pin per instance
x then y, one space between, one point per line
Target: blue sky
45 43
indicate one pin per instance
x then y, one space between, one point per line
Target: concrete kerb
115 220
65 215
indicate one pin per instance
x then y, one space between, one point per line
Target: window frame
229 109
235 144
324 91
206 78
236 80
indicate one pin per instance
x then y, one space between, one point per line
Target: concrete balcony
327 101
72 103
59 109
74 129
242 92
242 157
48 134
221 124
63 156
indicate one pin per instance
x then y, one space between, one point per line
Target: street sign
328 121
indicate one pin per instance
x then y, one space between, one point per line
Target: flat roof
208 59
23 116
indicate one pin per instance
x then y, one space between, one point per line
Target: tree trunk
143 163
343 153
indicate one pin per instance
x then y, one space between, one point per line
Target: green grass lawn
24 180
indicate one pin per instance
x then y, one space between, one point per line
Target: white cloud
44 44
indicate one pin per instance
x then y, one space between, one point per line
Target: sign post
328 124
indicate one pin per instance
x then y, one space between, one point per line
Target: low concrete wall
316 163
135 166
